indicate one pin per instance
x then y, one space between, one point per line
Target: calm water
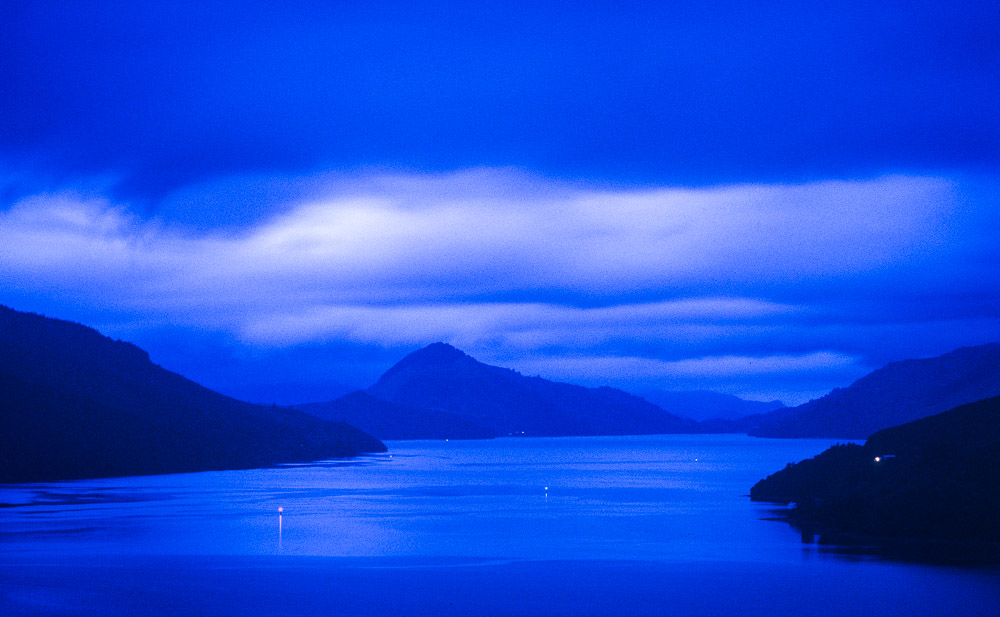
564 526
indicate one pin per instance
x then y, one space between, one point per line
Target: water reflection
856 547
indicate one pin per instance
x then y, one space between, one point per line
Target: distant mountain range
936 477
441 392
443 389
900 392
77 404
704 405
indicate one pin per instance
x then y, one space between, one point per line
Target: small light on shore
878 458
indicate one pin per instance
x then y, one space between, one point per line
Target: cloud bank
731 285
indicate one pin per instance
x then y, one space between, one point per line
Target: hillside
78 404
456 394
394 421
701 405
937 477
898 393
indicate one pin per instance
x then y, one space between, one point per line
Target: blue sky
762 200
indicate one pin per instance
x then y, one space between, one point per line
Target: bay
644 525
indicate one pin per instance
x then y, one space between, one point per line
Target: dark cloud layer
156 96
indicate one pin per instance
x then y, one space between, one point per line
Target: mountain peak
438 352
431 357
440 377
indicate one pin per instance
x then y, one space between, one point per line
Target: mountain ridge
702 405
394 421
441 379
897 393
61 378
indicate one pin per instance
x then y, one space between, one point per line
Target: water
653 525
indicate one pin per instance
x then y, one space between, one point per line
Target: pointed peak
436 353
443 346
432 359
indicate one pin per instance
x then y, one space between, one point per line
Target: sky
763 199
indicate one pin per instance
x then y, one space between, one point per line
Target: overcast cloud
576 283
768 199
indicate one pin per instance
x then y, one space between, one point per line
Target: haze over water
595 526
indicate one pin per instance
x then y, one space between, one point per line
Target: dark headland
77 404
934 478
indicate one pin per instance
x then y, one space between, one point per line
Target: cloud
653 92
601 367
792 378
381 245
523 325
651 281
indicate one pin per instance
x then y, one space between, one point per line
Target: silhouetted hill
898 393
394 421
937 477
77 404
704 405
440 377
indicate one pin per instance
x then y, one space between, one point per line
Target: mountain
397 421
504 402
937 477
898 393
77 404
703 405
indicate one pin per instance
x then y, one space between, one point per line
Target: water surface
652 525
